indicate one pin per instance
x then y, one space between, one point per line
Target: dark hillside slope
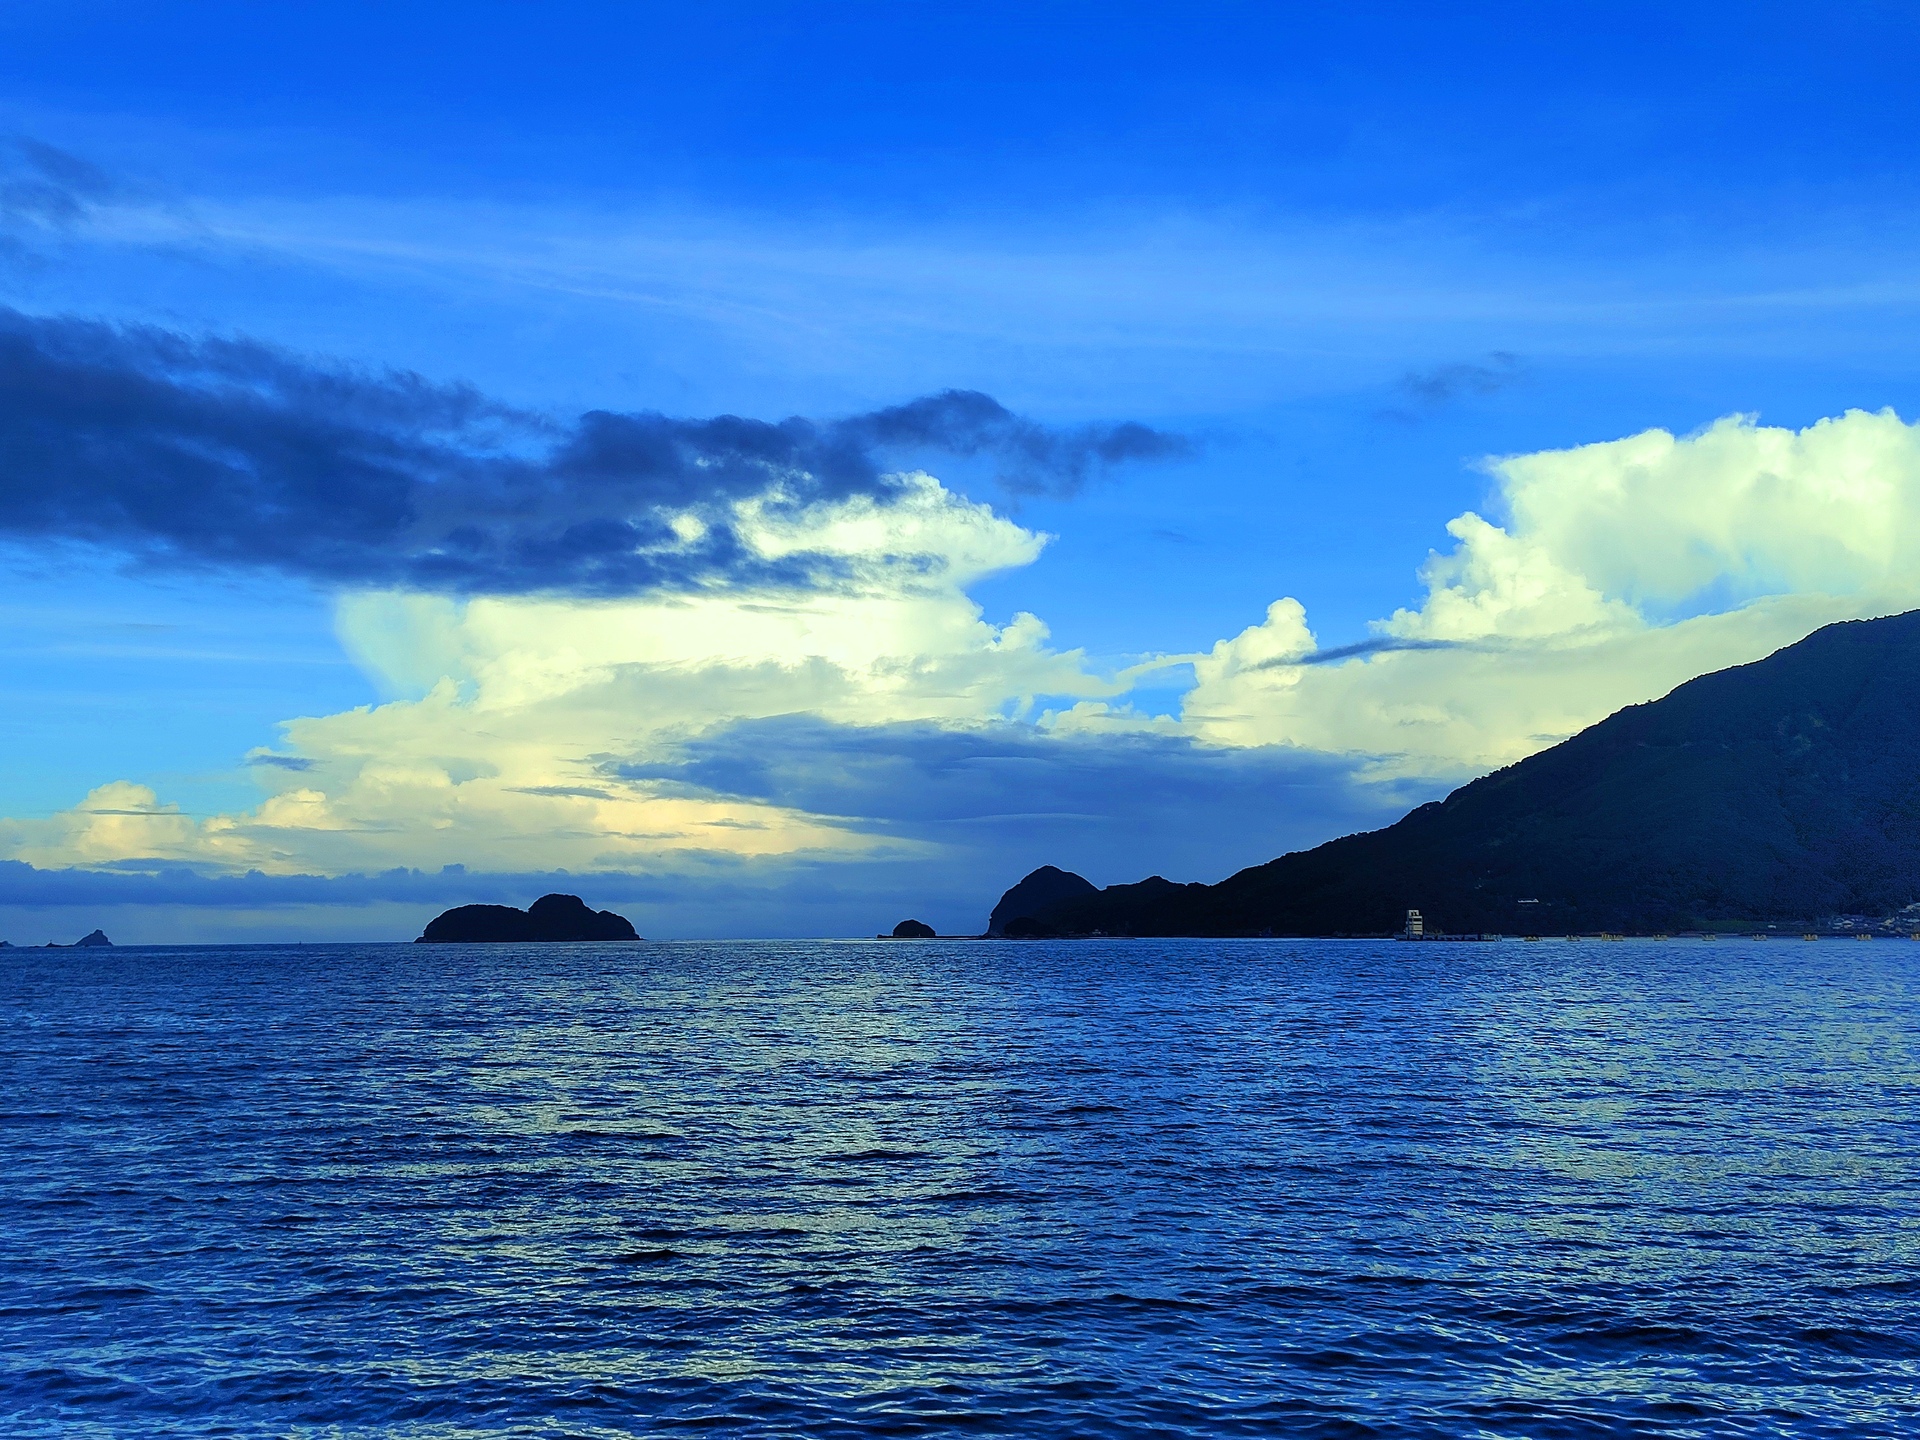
1044 888
1783 790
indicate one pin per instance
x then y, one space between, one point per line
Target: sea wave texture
931 1188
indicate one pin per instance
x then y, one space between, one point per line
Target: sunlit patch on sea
1126 1189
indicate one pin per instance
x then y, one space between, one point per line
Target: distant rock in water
1040 892
551 917
93 941
914 930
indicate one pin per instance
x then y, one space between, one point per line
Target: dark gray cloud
226 453
161 903
1443 384
715 884
166 883
151 883
1030 458
170 884
1381 646
278 762
1002 799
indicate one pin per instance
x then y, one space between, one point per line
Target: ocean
1141 1188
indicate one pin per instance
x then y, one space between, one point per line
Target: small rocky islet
557 918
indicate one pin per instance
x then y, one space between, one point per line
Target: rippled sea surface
1130 1188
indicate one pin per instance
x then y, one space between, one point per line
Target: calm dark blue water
1099 1189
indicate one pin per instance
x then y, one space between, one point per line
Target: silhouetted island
914 930
1784 790
86 942
551 917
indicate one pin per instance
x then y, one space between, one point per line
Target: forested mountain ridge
1782 790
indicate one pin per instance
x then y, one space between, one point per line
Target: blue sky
1336 257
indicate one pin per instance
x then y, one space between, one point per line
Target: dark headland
93 940
1783 791
551 917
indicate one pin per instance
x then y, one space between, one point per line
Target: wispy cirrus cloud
1070 308
41 184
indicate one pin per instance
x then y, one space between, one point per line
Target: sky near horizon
777 469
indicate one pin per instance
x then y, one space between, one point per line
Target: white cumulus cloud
1623 569
515 711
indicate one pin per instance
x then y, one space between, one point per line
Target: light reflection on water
1122 1188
